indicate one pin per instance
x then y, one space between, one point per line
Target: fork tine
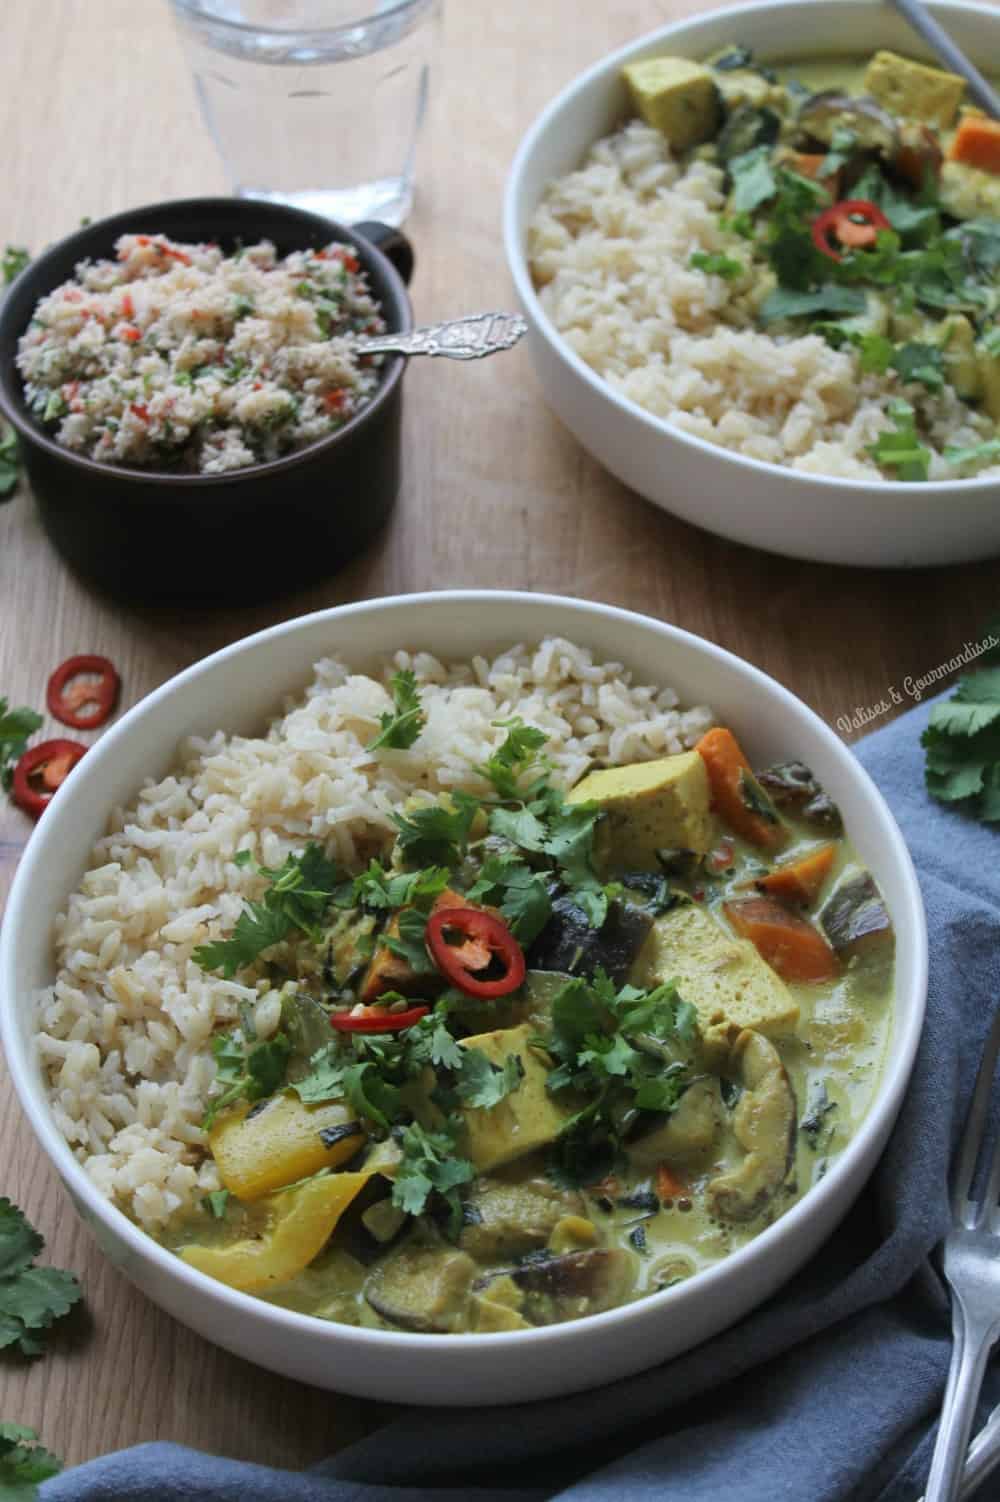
975 1127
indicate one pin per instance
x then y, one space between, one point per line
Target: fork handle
965 1379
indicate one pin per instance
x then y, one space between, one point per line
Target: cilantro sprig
899 447
24 1463
401 728
962 742
17 726
247 1068
32 1298
299 894
716 265
629 1051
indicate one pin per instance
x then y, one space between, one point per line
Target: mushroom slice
764 1126
558 1288
423 1286
872 127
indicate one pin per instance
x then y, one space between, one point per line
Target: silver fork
971 1263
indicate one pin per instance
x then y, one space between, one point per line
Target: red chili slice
854 223
373 1020
42 770
66 698
483 940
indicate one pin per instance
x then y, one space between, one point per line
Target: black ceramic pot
148 535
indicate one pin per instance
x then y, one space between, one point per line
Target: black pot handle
391 242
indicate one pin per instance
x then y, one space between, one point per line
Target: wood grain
97 113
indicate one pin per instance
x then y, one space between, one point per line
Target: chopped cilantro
481 1083
899 447
380 889
247 1070
299 894
431 1164
791 302
23 1463
962 742
522 894
753 179
513 757
738 224
920 362
401 729
31 1298
409 941
436 834
716 265
980 453
16 728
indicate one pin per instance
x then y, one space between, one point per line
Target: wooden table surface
97 113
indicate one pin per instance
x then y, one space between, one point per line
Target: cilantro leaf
481 1083
300 893
753 179
401 729
9 461
16 728
246 1072
409 941
522 895
430 1164
962 745
381 889
23 1463
716 265
435 834
899 447
513 757
789 302
920 362
13 262
31 1297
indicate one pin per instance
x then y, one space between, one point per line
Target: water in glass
317 103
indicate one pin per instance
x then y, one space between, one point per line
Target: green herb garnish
299 895
17 726
514 757
401 728
23 1463
13 262
435 834
899 447
31 1298
962 742
9 461
716 265
247 1070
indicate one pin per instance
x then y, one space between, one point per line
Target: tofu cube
913 90
653 805
722 977
526 1119
676 96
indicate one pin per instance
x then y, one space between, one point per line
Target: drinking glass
316 103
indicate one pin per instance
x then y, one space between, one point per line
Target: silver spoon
922 21
469 338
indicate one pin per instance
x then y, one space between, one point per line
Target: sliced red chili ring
854 222
66 697
372 1020
41 770
481 937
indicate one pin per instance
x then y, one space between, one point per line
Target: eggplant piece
558 1288
423 1286
746 128
792 786
764 1125
505 1220
873 128
569 943
647 889
855 918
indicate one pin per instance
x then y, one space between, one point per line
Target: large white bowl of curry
829 519
238 690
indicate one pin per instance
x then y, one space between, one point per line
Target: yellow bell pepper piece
304 1219
258 1151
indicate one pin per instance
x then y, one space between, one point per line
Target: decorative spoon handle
922 21
460 338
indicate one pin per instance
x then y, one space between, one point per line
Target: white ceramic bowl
239 689
766 505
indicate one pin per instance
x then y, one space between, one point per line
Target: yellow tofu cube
676 96
914 90
526 1119
654 805
722 977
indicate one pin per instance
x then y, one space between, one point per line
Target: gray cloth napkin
827 1392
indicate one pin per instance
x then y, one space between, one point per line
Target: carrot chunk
789 944
736 794
800 881
668 1185
977 144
